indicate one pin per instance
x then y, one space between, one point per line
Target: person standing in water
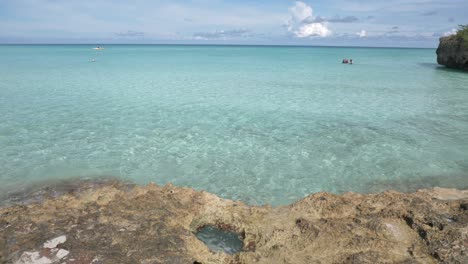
350 61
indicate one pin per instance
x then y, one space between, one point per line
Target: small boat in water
98 48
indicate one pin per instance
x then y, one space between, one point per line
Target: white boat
98 48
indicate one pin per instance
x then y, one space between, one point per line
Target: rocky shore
120 223
453 52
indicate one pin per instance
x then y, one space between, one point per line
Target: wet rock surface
453 52
115 223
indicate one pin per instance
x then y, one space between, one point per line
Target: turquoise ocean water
259 124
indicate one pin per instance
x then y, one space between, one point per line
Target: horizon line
201 44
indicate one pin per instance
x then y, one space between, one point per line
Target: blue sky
406 23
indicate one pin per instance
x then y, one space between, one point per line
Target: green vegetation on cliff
462 33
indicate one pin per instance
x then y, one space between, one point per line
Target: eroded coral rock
154 224
453 52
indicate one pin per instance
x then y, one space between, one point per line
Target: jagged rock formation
453 52
117 223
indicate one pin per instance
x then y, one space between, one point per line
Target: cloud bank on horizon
319 22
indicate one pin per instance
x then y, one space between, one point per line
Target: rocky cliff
453 52
117 223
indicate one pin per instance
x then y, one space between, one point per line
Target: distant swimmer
345 61
351 61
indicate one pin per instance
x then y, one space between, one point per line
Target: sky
382 23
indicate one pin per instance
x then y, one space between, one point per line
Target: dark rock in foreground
116 224
453 52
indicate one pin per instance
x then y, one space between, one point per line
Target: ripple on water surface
260 124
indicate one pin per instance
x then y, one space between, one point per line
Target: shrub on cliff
462 33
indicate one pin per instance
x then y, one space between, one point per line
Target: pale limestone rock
54 242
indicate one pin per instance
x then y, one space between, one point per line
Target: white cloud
302 23
312 29
300 11
451 32
362 34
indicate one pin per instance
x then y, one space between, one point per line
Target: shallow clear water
260 124
220 240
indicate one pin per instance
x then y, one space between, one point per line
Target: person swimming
345 61
350 61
